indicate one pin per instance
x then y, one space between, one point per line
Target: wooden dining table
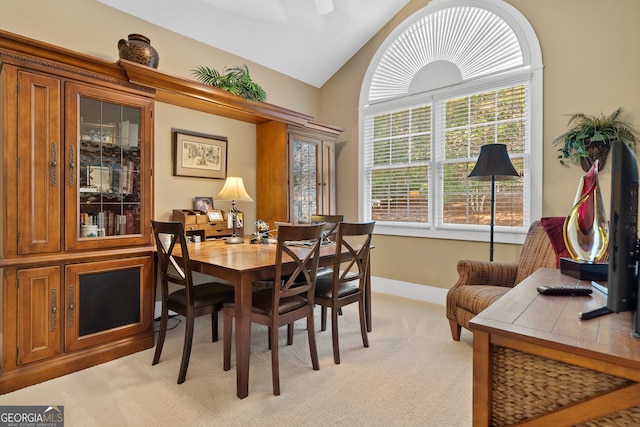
243 264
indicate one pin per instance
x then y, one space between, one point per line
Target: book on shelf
130 221
110 223
123 178
129 134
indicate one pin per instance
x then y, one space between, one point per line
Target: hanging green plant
233 79
589 138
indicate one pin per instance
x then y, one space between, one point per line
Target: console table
536 363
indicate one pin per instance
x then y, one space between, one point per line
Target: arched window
454 76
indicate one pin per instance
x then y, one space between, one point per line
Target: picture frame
199 155
204 204
99 178
214 215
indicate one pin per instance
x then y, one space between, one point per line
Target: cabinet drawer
191 227
216 229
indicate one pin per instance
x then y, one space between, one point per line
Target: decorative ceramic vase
138 49
89 231
585 231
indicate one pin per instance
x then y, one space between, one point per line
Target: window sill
500 234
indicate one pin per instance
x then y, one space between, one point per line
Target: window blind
398 159
491 117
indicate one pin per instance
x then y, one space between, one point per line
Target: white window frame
531 72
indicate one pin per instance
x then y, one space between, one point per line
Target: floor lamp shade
493 161
493 165
233 190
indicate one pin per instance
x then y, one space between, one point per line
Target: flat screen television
622 278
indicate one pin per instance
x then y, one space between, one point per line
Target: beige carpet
412 374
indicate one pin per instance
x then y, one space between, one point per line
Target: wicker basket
526 386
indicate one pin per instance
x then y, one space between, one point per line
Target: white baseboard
409 290
385 286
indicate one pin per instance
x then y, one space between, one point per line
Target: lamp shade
493 162
234 190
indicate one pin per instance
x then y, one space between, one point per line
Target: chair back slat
168 236
301 243
331 223
355 239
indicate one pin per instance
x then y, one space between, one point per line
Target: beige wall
589 52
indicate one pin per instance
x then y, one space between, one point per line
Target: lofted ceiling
308 40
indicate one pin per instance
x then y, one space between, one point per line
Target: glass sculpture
586 230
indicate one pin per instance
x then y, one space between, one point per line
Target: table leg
243 334
481 379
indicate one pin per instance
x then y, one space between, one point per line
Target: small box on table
585 270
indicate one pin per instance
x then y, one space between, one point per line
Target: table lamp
493 165
233 190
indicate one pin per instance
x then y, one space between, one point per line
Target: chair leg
323 318
163 332
228 326
334 335
290 333
363 324
275 364
313 349
186 352
214 326
455 330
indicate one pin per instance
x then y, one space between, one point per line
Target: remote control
564 290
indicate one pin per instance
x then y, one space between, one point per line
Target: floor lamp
493 165
234 190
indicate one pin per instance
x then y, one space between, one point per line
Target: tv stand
524 340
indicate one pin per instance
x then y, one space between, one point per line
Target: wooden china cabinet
76 250
306 186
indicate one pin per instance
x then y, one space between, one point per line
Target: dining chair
189 300
291 300
348 282
328 234
331 224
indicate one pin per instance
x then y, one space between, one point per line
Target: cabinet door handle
54 164
54 309
72 166
70 307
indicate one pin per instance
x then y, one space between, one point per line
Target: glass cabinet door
108 174
304 174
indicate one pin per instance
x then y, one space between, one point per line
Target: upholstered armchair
480 283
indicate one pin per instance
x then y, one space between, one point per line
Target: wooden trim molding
168 88
198 96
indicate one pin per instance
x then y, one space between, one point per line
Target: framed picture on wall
199 155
